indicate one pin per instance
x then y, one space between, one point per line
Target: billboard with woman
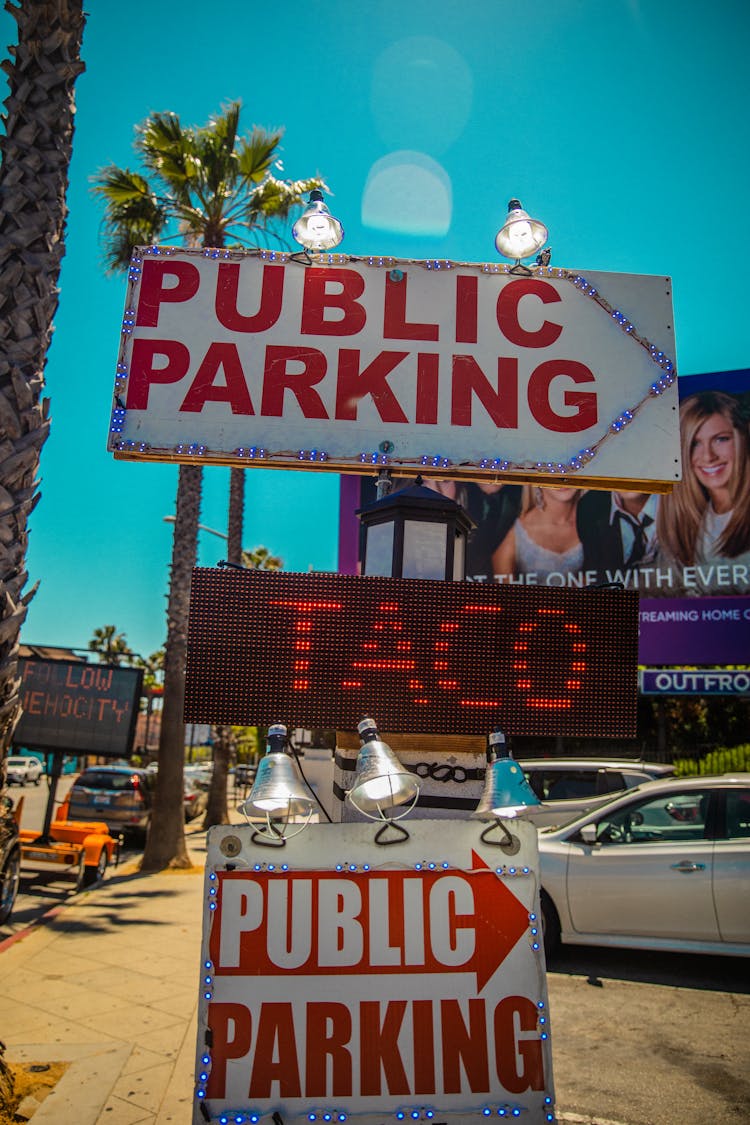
687 553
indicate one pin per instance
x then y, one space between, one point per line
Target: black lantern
415 533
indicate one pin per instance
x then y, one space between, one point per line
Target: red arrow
262 931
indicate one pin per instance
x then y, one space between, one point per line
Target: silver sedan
666 866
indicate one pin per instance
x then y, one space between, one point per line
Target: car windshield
101 779
673 817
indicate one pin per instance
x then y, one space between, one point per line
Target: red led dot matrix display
322 650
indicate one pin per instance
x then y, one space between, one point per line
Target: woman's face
712 452
561 495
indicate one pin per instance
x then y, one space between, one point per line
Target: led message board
78 708
464 369
346 985
322 650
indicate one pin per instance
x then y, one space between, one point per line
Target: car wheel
550 924
95 872
10 877
37 779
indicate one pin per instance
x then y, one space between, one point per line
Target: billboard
412 988
322 650
470 370
686 554
78 708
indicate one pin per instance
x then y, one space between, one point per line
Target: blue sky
622 125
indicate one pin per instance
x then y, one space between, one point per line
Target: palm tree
35 149
35 157
208 186
112 647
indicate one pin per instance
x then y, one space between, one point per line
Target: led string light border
380 458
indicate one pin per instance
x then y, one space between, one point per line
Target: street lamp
415 533
316 228
506 792
520 236
277 794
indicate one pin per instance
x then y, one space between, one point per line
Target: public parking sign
401 982
465 370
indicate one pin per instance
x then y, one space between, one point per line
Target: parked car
22 768
568 787
195 800
10 859
120 796
664 866
243 774
200 775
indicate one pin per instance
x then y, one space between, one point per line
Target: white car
665 866
569 787
22 769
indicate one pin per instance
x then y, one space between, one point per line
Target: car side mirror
588 833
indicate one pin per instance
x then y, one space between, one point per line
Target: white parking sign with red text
342 978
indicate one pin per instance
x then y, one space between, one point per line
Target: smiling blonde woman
706 518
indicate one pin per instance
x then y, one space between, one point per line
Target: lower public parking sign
344 979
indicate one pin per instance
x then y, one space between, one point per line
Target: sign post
398 983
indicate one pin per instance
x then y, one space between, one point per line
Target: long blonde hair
532 496
681 512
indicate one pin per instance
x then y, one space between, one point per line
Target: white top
531 558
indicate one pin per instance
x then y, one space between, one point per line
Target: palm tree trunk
236 515
36 151
217 808
165 846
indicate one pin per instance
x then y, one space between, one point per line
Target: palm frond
133 215
256 153
276 198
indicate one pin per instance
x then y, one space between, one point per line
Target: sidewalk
109 984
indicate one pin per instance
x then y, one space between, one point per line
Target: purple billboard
687 553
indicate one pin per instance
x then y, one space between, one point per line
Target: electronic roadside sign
78 708
344 981
323 650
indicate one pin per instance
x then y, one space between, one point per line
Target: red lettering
231 1026
428 381
329 1030
234 390
227 286
154 292
354 384
395 324
424 1047
277 380
464 1046
316 299
144 372
378 1047
275 1056
466 308
520 1065
507 313
582 402
501 404
33 703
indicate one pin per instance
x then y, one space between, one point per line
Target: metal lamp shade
521 236
277 790
316 228
506 791
380 781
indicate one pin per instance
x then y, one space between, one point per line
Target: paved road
650 1039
